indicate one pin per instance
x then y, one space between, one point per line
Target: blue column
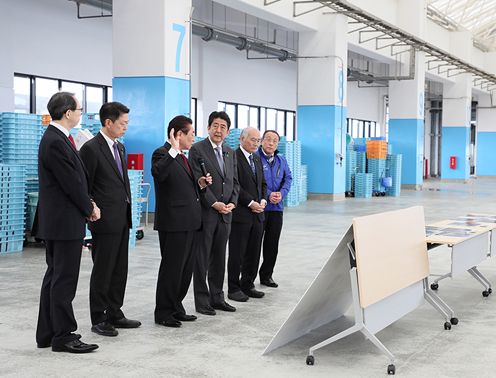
486 145
153 102
321 130
407 138
455 141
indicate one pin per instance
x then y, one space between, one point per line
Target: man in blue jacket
278 177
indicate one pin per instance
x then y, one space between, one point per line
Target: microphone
202 166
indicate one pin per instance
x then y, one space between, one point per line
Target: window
253 116
290 121
358 128
32 93
243 116
45 88
94 99
262 118
22 90
281 122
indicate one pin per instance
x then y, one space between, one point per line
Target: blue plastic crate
9 246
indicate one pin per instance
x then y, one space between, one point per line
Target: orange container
46 119
376 149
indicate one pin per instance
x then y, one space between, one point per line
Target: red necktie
72 140
186 163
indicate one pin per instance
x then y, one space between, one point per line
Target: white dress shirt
61 128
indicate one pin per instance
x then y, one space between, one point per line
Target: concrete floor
230 345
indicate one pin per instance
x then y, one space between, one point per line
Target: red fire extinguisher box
135 161
452 162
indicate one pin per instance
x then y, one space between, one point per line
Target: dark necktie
117 157
220 160
252 165
186 163
72 141
270 159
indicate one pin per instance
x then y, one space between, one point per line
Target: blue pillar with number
151 71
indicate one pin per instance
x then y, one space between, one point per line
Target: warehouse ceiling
476 16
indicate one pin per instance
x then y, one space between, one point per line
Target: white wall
45 38
366 103
221 73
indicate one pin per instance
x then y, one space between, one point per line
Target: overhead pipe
208 33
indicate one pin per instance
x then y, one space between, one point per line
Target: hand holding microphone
206 179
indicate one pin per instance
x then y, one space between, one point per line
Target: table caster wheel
310 360
140 234
485 293
489 290
434 286
454 321
391 370
447 326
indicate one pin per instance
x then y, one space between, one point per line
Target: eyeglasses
80 109
255 140
270 140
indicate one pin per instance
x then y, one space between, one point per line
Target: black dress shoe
184 317
253 293
269 282
125 323
75 346
238 296
169 322
224 306
104 329
207 310
48 344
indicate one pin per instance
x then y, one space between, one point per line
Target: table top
455 231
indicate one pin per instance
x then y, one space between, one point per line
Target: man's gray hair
245 131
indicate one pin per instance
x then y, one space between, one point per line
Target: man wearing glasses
248 218
278 177
63 208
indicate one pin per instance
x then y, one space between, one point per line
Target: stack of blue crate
198 138
363 185
232 139
293 157
377 167
393 170
12 207
361 166
351 168
91 122
135 181
21 135
304 184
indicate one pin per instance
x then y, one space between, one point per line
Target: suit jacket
251 188
64 202
225 186
177 194
109 190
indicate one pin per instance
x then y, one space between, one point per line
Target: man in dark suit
218 202
105 161
247 224
63 207
177 219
